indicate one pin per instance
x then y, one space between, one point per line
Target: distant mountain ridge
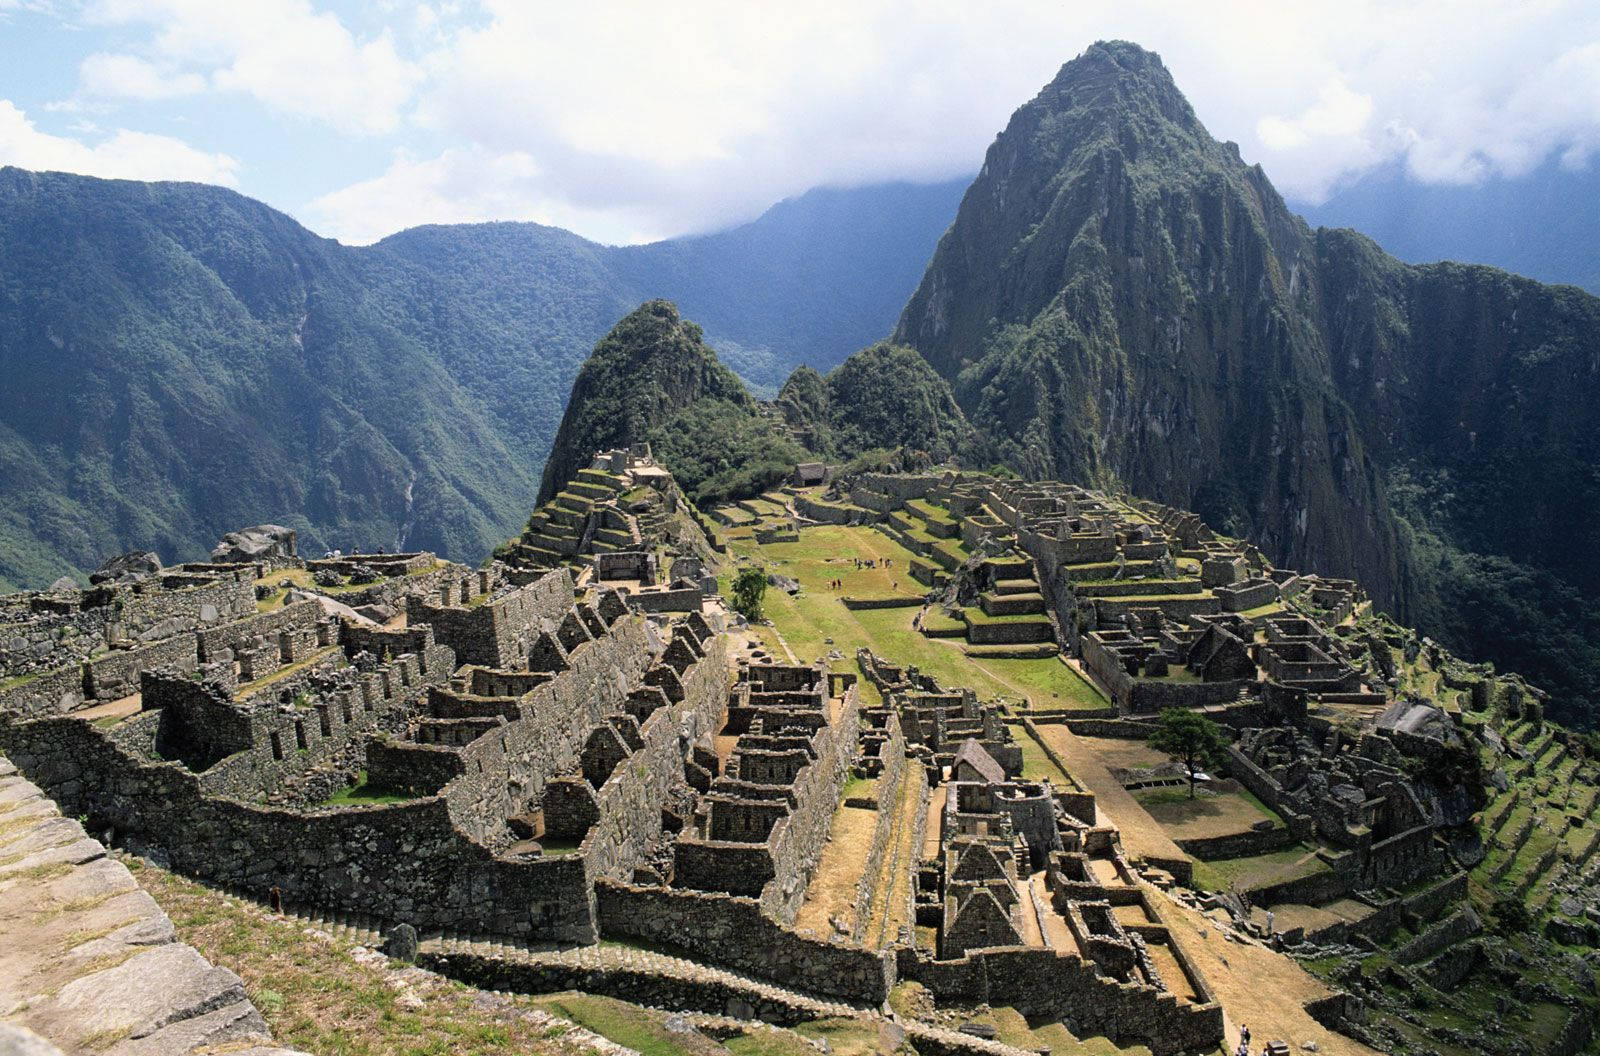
181 360
1544 224
1122 300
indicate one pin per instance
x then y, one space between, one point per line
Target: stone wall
893 753
397 862
506 769
46 693
215 641
735 933
1044 984
500 631
1238 844
117 673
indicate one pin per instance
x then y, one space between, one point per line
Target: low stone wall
498 632
1425 905
215 640
824 513
1237 845
117 673
1261 785
1008 633
635 984
1151 696
1457 927
903 601
1315 890
683 599
49 693
1124 729
893 753
901 486
1044 984
733 932
1447 970
431 875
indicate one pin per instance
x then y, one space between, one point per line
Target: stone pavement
89 961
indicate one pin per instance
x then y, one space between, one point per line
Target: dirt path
832 890
892 901
930 835
1057 935
120 708
1256 986
1142 835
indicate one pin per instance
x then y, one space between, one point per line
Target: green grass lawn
1036 765
1262 869
359 795
806 621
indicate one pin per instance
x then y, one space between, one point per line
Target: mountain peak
1117 76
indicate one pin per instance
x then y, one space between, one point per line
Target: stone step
1011 604
1015 586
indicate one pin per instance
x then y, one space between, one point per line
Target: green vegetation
271 374
654 379
749 587
1189 738
884 397
360 794
807 620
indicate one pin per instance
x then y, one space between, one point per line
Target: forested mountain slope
180 360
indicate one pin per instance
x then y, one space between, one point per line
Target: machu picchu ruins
1076 598
576 766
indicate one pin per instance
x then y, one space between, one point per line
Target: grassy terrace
360 795
807 621
1259 870
316 996
1036 765
325 653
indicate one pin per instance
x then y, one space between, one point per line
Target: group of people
861 563
1244 1043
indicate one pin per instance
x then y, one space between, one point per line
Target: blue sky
628 121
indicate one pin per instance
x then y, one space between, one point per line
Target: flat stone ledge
88 959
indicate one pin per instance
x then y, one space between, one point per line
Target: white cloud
284 53
458 187
128 76
123 154
628 119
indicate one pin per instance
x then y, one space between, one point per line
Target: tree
1189 738
749 586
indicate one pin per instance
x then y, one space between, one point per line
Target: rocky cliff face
1122 300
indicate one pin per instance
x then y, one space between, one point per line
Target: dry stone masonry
568 744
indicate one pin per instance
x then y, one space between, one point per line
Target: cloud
633 120
128 76
459 187
123 154
283 53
